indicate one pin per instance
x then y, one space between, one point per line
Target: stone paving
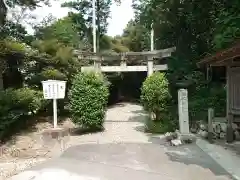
124 151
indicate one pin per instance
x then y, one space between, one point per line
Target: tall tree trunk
3 12
1 80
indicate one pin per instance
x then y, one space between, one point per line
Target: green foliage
196 29
136 37
51 73
227 24
207 97
29 100
14 30
9 45
88 100
159 127
155 94
83 17
16 106
53 60
64 30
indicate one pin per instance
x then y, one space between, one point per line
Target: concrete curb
226 159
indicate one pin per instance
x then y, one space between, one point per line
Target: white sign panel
53 89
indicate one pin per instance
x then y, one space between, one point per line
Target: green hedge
156 99
16 106
155 95
88 100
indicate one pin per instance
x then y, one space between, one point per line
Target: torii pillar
150 65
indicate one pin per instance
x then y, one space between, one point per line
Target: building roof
222 58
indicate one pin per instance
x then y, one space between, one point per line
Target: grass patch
159 127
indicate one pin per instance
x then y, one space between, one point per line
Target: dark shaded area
12 77
125 86
82 131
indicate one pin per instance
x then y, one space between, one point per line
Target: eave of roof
224 55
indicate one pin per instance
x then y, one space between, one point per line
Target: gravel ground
27 150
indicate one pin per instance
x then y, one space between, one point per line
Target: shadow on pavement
190 154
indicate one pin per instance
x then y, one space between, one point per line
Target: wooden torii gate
129 61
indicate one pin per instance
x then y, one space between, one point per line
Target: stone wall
219 128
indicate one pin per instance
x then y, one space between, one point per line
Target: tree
136 37
54 60
195 28
14 30
63 30
3 12
28 4
227 28
83 17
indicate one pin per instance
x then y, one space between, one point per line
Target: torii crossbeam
126 59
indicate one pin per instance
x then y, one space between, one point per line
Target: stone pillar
123 61
210 124
150 65
183 111
97 62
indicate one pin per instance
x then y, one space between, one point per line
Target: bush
28 100
160 127
88 100
155 96
18 105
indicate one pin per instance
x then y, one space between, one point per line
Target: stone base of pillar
55 137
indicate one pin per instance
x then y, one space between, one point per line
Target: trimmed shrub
88 100
16 106
156 99
155 96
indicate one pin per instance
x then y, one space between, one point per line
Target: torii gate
126 59
148 56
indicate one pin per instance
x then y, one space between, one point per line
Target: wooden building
229 58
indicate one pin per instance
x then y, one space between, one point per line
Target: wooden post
210 125
230 132
229 135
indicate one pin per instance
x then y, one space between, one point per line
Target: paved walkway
123 151
124 123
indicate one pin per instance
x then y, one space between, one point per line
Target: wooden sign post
54 89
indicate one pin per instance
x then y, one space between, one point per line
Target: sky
120 15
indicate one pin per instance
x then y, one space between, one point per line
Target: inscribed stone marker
183 111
